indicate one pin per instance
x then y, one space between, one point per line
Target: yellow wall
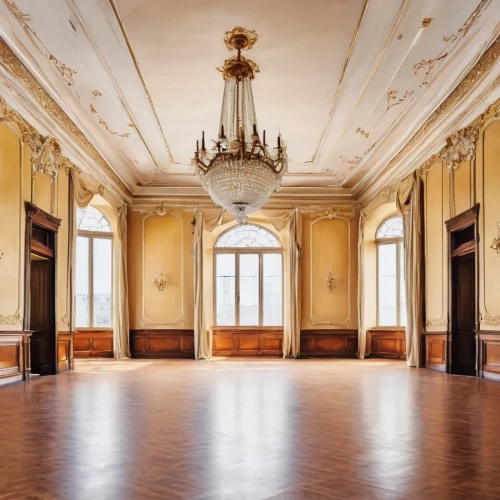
15 189
156 244
448 194
329 243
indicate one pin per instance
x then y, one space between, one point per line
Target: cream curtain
202 221
361 288
120 287
289 223
409 203
80 195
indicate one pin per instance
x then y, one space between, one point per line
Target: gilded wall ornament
460 147
11 320
331 283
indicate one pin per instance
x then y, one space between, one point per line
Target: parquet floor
250 430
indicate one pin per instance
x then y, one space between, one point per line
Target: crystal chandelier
241 171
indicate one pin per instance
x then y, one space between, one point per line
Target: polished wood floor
250 429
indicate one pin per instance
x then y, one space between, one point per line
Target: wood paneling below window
14 357
93 344
247 341
489 354
343 343
162 343
435 350
386 343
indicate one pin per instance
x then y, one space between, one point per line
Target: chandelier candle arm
240 172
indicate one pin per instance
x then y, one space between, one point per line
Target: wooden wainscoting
93 344
342 343
386 343
489 354
65 355
247 341
14 357
162 343
435 350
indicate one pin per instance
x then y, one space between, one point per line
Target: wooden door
463 359
42 315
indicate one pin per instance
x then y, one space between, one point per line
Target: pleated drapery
202 337
80 195
120 287
409 203
289 223
361 289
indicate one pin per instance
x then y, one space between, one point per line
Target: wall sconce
495 244
330 281
161 210
160 282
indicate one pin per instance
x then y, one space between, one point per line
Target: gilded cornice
433 160
475 75
15 67
335 212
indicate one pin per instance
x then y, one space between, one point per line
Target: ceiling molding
425 141
15 67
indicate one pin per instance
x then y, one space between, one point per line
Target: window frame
91 236
399 242
237 251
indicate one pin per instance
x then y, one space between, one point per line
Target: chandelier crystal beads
241 170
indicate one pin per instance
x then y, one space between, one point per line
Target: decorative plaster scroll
14 66
13 319
64 321
316 322
387 193
437 322
490 319
335 212
460 147
177 322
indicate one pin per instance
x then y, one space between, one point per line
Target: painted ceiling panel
347 82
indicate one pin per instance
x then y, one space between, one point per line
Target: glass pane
248 236
387 298
272 289
82 282
225 283
102 282
91 219
391 228
402 291
249 290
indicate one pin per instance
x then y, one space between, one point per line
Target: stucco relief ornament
387 193
460 147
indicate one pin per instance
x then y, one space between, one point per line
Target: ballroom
249 251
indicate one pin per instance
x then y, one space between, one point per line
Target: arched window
93 269
248 277
391 303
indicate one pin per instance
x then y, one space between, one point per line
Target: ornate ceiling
346 82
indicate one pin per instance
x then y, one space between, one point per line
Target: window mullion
261 290
237 288
91 281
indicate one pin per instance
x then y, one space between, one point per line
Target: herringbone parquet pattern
250 430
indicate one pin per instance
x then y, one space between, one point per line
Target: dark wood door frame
467 219
36 217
